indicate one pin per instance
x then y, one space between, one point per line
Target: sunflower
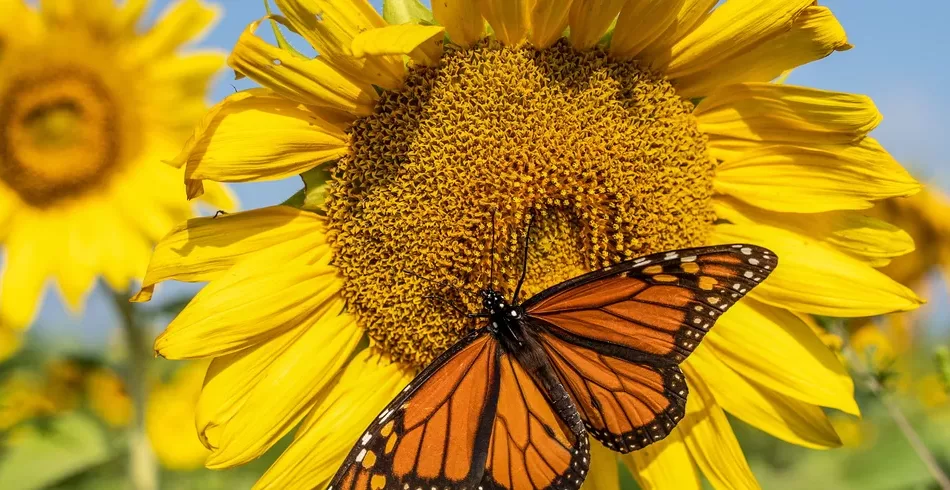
887 342
88 109
651 126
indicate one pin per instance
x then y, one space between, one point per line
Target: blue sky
899 59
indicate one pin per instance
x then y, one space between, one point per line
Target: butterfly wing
472 418
615 336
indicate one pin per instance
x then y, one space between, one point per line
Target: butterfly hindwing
625 405
473 418
615 336
531 447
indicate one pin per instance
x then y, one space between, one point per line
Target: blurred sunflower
663 134
88 108
925 217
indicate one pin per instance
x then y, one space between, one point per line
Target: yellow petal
331 26
589 20
641 23
462 20
185 21
734 27
308 81
813 278
202 248
288 139
287 392
786 114
776 349
25 270
246 307
508 18
424 43
863 237
368 383
693 13
710 440
806 180
814 34
603 473
10 342
230 381
128 15
548 21
664 465
784 417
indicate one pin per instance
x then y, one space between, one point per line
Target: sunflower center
603 153
57 135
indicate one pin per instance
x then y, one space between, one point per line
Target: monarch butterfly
511 404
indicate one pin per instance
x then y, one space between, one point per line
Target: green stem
897 415
143 469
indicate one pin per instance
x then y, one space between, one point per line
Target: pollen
600 155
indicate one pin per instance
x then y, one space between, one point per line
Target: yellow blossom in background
22 398
89 107
926 218
170 419
108 398
668 135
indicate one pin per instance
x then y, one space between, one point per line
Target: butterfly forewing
473 418
615 336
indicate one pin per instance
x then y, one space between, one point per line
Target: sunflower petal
664 465
710 440
307 81
814 34
693 12
423 43
281 400
640 23
863 237
806 180
548 20
185 21
330 28
368 383
589 20
25 271
230 381
288 139
734 27
462 20
603 473
244 308
785 114
761 342
813 278
784 417
203 248
508 18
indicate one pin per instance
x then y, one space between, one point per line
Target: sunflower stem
894 411
143 469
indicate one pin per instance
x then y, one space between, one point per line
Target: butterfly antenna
524 260
491 258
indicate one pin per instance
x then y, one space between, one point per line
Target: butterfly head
493 302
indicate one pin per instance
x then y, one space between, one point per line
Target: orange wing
472 419
615 336
530 446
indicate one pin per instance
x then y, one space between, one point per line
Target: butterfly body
510 406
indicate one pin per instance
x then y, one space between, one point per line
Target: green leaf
313 195
71 444
406 12
282 42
